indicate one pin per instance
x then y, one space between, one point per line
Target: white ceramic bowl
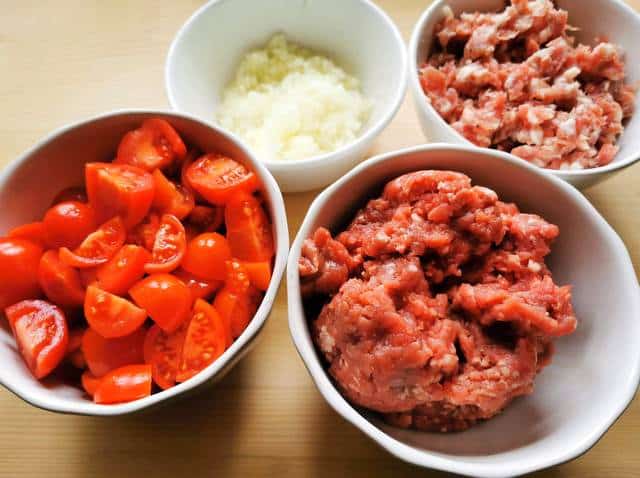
357 34
27 187
595 371
610 18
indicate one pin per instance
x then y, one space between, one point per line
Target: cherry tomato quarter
119 190
41 333
171 198
124 384
155 145
166 299
98 247
248 229
89 382
169 246
61 283
163 352
123 270
217 178
205 341
110 315
103 355
200 288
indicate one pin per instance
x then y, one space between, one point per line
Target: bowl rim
366 135
233 353
423 103
299 330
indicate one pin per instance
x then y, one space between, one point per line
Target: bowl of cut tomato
140 256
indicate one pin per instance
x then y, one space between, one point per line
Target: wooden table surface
62 61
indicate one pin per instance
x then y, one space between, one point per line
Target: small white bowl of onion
355 35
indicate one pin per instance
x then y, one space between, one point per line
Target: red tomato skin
68 223
61 283
89 382
103 355
249 231
33 231
207 255
259 273
206 218
200 288
41 333
110 315
124 384
123 270
166 299
119 190
19 263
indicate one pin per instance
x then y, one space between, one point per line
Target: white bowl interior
595 371
622 27
27 188
207 53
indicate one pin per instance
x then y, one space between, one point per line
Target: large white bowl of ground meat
466 310
553 83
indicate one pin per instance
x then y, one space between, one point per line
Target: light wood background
61 61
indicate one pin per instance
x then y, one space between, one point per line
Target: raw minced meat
437 306
517 81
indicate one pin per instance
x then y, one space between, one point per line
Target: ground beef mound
437 308
517 81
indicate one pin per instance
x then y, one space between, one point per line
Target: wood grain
62 61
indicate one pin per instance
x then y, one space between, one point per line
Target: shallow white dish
27 187
595 372
356 34
622 26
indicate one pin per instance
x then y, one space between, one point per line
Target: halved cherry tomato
236 302
41 333
166 299
163 352
259 273
98 247
144 234
119 190
217 178
19 263
207 255
169 246
103 355
60 282
171 198
74 348
33 231
206 218
205 341
123 270
200 288
124 384
67 224
155 145
248 229
111 316
89 382
74 193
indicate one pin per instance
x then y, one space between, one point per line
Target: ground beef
437 306
516 81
